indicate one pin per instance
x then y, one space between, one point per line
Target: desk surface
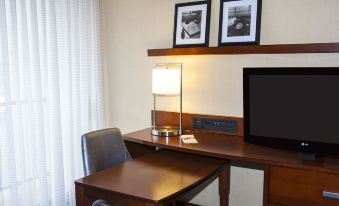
160 176
234 148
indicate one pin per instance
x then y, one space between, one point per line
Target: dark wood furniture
290 186
250 49
289 180
152 179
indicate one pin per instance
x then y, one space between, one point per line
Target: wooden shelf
250 49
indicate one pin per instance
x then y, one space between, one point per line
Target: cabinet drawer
302 187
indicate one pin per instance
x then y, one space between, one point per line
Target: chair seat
102 203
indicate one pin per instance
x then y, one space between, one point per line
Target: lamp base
166 131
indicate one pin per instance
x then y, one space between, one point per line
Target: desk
151 179
282 168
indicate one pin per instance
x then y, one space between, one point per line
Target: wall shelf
249 49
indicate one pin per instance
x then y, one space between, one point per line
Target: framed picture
239 22
192 24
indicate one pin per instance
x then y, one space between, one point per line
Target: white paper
189 139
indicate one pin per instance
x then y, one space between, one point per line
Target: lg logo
304 144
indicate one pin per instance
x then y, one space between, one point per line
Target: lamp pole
180 114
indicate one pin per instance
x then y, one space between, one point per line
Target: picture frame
192 24
239 22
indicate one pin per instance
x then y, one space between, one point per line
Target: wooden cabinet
288 180
289 186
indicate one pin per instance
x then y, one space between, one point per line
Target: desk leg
266 184
224 185
81 198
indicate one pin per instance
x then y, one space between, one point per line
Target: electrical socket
215 124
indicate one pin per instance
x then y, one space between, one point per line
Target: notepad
189 139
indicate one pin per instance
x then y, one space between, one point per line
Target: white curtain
50 94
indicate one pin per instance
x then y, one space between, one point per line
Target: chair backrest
103 149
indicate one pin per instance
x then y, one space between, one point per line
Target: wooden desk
283 169
151 179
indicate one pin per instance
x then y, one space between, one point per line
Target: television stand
288 180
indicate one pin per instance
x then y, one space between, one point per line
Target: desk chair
100 150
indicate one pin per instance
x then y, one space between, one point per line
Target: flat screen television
292 108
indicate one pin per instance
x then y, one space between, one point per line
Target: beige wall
211 84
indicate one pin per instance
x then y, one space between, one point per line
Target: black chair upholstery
103 149
100 150
102 203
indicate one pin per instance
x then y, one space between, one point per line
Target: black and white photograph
239 22
191 24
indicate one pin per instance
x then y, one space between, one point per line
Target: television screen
292 108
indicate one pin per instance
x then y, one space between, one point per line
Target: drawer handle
332 195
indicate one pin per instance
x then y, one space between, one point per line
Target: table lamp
167 81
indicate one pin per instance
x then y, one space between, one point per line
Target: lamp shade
166 81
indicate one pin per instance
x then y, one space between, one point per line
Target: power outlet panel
215 124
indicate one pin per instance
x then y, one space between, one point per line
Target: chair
103 149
